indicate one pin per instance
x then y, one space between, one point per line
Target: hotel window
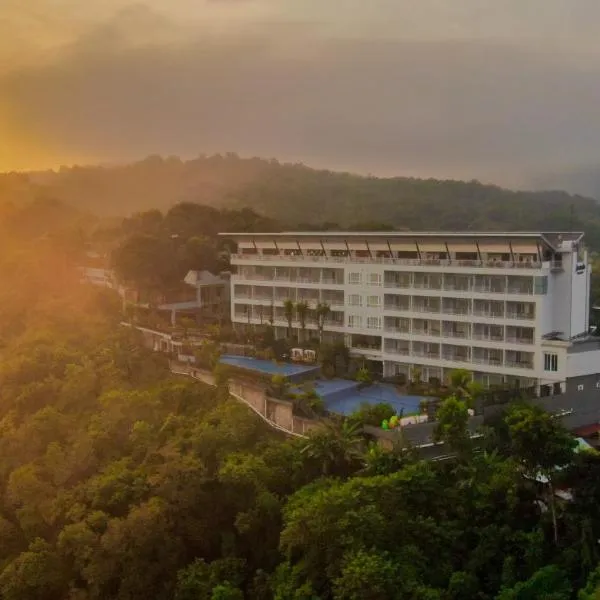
540 285
354 321
355 300
373 301
354 278
373 323
550 362
374 278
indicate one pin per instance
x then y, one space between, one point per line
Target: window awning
403 246
310 245
524 247
246 244
432 246
268 244
287 245
461 246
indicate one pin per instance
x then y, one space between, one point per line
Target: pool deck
344 397
340 396
268 367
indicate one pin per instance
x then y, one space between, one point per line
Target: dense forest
121 481
295 195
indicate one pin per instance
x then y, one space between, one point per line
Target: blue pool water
266 367
340 396
344 397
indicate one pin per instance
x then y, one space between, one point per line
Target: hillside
298 195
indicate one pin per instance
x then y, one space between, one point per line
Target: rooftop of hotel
552 239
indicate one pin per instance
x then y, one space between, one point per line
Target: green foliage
452 425
121 481
372 414
549 583
363 375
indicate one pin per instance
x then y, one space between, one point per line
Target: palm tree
302 312
322 312
337 447
288 310
463 387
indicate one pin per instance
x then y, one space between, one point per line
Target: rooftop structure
508 306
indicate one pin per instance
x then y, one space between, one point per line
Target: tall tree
302 312
322 312
288 310
543 445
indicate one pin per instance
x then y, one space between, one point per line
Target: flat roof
551 238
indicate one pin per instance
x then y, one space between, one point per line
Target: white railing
455 334
398 351
396 329
425 309
492 362
396 307
519 364
394 261
518 340
519 315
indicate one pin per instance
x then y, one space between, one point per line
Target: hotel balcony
519 360
397 347
520 335
426 328
486 356
453 306
426 305
425 350
456 353
396 325
488 263
489 333
456 330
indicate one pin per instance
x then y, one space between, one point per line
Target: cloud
468 108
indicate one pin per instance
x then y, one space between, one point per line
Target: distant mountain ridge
297 195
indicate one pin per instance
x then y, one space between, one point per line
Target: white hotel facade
509 307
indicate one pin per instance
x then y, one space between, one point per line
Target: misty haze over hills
297 196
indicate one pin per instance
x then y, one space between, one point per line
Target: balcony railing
429 332
453 310
492 361
397 284
392 329
488 337
455 334
519 340
519 315
490 314
518 290
456 287
394 261
398 351
423 308
519 364
396 307
425 354
421 285
456 357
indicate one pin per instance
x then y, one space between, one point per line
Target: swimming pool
343 397
267 367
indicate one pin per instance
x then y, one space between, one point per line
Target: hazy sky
466 88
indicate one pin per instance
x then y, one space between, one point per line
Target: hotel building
512 308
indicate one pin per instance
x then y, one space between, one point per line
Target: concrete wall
580 364
277 413
580 285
